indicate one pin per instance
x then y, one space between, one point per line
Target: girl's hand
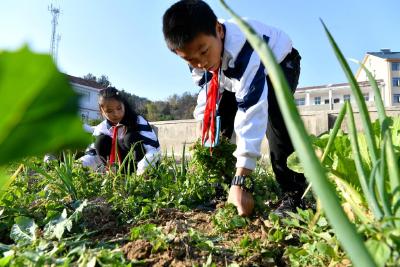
140 172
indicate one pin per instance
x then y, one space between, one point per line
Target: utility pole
55 38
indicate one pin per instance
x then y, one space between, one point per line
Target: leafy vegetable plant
38 107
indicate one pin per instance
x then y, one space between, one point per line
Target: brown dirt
137 250
97 215
183 251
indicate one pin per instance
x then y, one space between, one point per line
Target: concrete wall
174 134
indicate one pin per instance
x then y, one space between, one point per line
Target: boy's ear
219 30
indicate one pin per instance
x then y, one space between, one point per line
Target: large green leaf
380 251
396 131
24 230
38 107
5 261
343 160
56 228
294 163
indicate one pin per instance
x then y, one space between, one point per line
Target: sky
123 38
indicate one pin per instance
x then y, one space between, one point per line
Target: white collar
233 43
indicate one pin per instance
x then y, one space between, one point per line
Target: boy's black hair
130 117
185 19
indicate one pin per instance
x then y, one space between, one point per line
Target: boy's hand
243 200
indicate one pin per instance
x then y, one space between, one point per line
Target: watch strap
245 182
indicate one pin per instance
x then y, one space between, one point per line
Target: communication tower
55 37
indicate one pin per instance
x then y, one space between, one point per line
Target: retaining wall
173 135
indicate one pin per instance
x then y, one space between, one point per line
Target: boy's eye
190 61
204 52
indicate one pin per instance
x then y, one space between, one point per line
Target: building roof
335 85
84 82
386 54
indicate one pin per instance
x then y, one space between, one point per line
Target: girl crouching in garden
121 131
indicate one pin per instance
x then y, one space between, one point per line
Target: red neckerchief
210 111
114 148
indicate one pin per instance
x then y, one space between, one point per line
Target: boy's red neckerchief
210 111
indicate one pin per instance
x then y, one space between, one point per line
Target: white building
384 65
332 96
89 91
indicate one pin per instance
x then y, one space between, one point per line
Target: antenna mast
55 38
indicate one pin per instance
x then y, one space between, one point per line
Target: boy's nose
201 64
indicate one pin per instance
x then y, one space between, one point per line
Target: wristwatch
245 182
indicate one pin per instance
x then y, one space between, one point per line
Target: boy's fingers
242 212
242 200
247 205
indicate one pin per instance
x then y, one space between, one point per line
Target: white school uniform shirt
148 137
243 73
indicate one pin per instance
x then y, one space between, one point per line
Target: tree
152 112
90 77
103 81
174 108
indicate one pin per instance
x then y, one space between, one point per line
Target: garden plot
172 215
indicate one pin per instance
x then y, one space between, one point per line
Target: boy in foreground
222 61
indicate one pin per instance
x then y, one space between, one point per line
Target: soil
182 251
97 215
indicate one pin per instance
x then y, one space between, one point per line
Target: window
396 98
317 100
366 97
346 97
84 96
84 116
396 82
300 101
395 66
336 100
326 101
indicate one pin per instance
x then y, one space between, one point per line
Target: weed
227 219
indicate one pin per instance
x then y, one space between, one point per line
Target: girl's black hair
185 19
130 118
